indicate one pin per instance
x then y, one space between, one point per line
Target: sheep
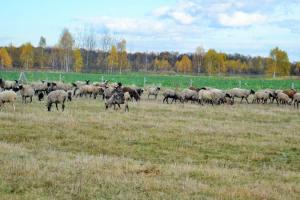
153 92
172 95
89 90
283 98
290 93
296 100
39 87
81 83
262 96
220 96
8 97
133 93
189 95
58 97
205 96
241 93
8 85
117 99
26 91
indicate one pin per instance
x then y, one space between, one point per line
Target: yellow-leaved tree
184 65
78 62
27 55
214 62
113 60
279 63
123 60
5 59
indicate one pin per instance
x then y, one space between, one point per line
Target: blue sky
246 27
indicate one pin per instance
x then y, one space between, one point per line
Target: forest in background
87 53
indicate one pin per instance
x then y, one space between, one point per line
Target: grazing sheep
26 91
58 97
296 100
8 97
189 95
8 85
241 93
172 94
153 92
117 99
262 96
90 90
283 99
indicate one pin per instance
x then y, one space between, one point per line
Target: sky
230 26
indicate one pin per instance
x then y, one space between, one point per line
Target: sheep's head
158 88
40 96
87 82
252 91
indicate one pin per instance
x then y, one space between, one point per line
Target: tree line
82 55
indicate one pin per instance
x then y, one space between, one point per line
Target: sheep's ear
48 84
17 81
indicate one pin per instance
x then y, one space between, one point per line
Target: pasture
155 151
170 81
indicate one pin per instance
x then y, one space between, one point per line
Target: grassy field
173 81
155 151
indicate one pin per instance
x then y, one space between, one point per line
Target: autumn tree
78 62
122 55
279 63
88 43
66 43
27 55
5 59
162 64
113 60
184 65
42 45
214 62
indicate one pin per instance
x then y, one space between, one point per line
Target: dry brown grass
155 151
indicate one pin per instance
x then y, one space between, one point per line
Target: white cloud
182 17
241 19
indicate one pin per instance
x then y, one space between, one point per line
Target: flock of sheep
114 94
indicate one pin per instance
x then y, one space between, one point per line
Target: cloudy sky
246 27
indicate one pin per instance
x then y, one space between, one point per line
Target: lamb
8 85
189 95
172 94
296 100
58 97
283 98
8 97
26 91
241 93
262 96
153 92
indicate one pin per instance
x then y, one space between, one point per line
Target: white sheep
8 97
8 85
57 97
172 94
297 100
205 96
26 91
283 98
153 91
261 96
189 95
241 93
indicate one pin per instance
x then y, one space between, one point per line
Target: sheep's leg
49 106
56 106
247 100
13 105
155 96
63 107
31 99
242 99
